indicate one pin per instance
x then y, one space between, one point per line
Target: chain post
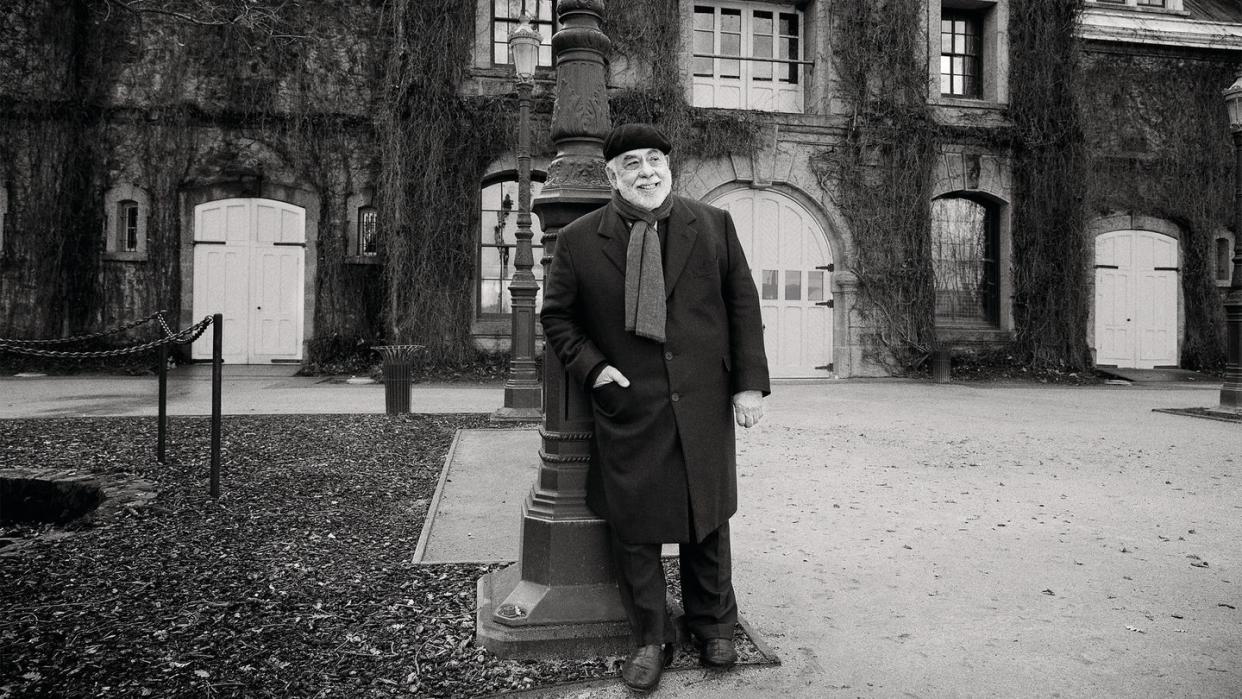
163 409
217 366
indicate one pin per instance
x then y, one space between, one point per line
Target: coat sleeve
562 326
749 361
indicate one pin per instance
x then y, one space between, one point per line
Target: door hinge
826 367
825 304
1107 267
827 268
1166 269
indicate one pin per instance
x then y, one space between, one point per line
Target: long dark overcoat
664 447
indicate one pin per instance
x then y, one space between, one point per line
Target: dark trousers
706 588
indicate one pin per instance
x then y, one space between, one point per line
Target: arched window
965 249
498 246
362 232
127 209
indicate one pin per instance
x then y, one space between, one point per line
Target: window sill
362 259
1124 9
114 256
967 102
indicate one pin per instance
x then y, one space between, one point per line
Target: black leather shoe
642 670
719 652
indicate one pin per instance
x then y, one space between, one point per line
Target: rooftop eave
1137 27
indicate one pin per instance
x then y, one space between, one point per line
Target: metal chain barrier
82 338
181 337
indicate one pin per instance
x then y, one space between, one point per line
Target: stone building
191 170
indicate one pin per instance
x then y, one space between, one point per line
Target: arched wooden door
249 264
1136 299
791 262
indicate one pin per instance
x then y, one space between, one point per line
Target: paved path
246 390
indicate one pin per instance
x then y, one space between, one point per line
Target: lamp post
1231 390
560 598
523 390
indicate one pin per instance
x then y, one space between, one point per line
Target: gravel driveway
906 539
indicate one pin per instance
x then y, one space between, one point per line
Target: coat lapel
682 235
616 235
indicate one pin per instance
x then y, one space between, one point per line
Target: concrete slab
476 513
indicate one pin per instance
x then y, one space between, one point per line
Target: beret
628 137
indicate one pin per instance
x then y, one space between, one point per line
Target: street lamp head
524 45
1233 101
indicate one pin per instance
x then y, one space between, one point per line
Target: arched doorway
791 262
1136 283
249 265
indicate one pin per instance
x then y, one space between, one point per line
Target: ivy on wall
1158 137
880 174
1050 247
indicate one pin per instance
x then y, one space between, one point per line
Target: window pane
731 20
730 68
793 285
762 47
791 74
704 18
731 44
545 10
703 42
789 48
703 66
789 24
762 70
815 286
131 227
763 23
769 286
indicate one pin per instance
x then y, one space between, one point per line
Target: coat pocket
608 398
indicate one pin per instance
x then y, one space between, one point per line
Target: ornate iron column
560 598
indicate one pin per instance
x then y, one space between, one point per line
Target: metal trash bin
940 365
398 368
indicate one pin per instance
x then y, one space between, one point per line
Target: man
650 305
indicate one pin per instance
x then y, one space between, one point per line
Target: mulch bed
298 581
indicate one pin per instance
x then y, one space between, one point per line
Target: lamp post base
556 639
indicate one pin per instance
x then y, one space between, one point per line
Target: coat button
676 397
668 356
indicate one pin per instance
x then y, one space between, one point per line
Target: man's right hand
610 374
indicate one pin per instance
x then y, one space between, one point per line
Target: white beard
648 199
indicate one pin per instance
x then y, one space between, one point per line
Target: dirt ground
918 540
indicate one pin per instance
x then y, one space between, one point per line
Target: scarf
645 309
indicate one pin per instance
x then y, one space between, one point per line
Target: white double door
249 260
1136 299
791 262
